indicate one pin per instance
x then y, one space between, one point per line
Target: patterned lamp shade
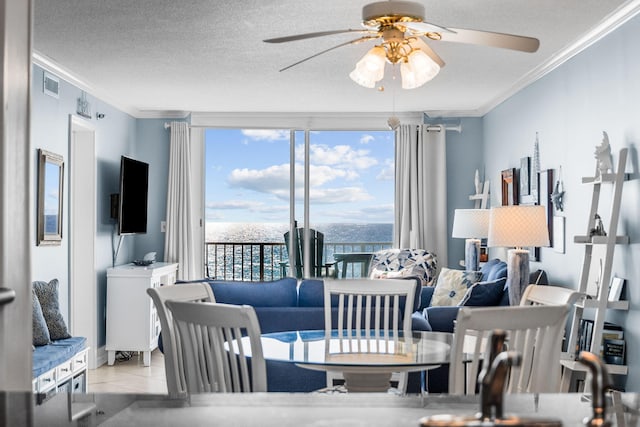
470 223
518 226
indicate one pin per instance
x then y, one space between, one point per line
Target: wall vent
51 85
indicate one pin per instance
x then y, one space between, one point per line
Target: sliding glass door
253 196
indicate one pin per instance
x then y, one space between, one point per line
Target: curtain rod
437 128
430 128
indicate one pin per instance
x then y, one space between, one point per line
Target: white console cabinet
132 320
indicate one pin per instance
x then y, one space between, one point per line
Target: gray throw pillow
40 331
48 297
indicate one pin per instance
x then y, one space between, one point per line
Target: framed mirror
50 185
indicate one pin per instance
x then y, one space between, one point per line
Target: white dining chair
368 316
170 345
214 353
549 295
535 332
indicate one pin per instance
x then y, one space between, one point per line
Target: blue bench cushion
49 356
278 293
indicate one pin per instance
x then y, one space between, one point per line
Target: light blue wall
464 156
117 134
598 90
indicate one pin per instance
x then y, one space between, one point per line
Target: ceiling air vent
51 85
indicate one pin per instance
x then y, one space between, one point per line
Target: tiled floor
130 376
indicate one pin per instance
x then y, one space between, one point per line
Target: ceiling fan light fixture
418 69
370 69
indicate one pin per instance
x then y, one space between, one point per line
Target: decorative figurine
558 193
603 155
598 230
477 183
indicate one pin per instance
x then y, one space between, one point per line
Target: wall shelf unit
597 304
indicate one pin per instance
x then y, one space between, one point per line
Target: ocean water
247 262
274 232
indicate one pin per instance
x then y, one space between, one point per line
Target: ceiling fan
401 30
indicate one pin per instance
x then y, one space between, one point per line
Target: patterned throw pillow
40 331
452 286
48 297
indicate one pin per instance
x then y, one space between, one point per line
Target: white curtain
180 242
421 190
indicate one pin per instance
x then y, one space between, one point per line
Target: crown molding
609 24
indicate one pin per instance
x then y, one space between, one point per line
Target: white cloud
338 195
342 156
266 134
268 180
366 138
387 173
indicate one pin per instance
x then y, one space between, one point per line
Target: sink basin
476 421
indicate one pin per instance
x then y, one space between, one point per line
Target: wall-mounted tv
134 187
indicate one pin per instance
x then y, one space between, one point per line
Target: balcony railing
251 261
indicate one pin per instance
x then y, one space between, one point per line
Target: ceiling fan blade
425 27
356 41
487 38
316 34
420 44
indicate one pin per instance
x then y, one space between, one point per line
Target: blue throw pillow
484 293
40 331
48 297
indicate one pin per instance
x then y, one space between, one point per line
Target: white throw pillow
452 285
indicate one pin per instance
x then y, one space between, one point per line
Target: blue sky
247 176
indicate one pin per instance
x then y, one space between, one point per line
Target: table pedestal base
366 383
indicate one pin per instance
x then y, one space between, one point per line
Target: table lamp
519 227
472 225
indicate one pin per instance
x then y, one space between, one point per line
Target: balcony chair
207 332
372 310
318 267
535 332
170 345
403 263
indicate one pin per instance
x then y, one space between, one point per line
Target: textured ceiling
148 56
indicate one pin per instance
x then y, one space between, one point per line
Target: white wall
598 90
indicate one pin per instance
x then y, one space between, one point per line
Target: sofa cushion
48 297
311 293
452 285
484 293
278 293
40 330
493 269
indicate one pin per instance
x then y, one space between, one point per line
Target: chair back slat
535 332
173 362
214 351
375 315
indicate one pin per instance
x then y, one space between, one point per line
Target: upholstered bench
59 360
60 366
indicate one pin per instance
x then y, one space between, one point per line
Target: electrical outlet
163 226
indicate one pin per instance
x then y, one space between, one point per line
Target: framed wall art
509 187
50 185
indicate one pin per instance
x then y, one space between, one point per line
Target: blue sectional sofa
285 305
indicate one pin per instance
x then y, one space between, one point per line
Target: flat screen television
134 188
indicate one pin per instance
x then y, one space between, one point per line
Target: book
613 352
615 289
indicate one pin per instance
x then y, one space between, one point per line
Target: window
247 195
